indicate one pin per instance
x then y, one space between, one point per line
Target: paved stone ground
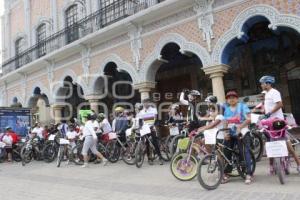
42 181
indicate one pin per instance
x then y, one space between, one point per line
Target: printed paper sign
210 136
174 130
276 149
255 118
145 130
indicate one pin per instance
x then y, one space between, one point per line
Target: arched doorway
40 107
115 88
174 71
263 51
72 94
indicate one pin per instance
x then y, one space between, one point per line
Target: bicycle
77 157
144 138
216 161
51 147
184 163
116 148
276 130
31 149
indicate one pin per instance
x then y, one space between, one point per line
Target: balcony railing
90 24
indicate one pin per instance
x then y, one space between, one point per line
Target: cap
232 94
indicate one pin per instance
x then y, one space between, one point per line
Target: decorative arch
19 98
44 90
56 85
121 65
146 72
236 31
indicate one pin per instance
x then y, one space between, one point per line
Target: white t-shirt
96 126
71 135
38 131
271 98
89 130
8 140
105 126
220 126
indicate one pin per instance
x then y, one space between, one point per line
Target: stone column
94 105
216 74
54 15
144 89
57 112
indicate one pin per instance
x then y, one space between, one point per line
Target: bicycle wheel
210 172
164 150
113 151
49 153
241 165
60 156
128 154
168 143
257 146
26 155
16 155
279 169
139 154
184 167
174 143
76 155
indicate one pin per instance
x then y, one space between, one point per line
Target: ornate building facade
59 54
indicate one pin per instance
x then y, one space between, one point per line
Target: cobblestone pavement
119 181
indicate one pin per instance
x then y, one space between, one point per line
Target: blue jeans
244 147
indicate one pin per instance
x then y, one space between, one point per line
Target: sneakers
85 165
161 162
104 161
150 162
248 180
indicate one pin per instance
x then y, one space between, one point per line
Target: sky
1 13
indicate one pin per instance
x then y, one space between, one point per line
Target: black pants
155 142
244 147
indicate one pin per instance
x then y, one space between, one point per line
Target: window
112 10
20 47
41 36
71 23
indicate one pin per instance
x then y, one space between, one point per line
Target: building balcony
90 24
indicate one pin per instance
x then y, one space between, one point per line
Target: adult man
273 108
121 123
192 116
38 130
149 116
237 116
90 141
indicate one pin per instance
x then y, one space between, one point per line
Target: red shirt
15 137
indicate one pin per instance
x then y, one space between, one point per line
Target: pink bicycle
276 131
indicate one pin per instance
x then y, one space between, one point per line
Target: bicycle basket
183 143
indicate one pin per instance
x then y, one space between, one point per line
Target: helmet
195 93
101 116
211 99
119 109
278 124
7 128
138 106
267 79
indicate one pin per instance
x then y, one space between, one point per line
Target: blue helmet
267 79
